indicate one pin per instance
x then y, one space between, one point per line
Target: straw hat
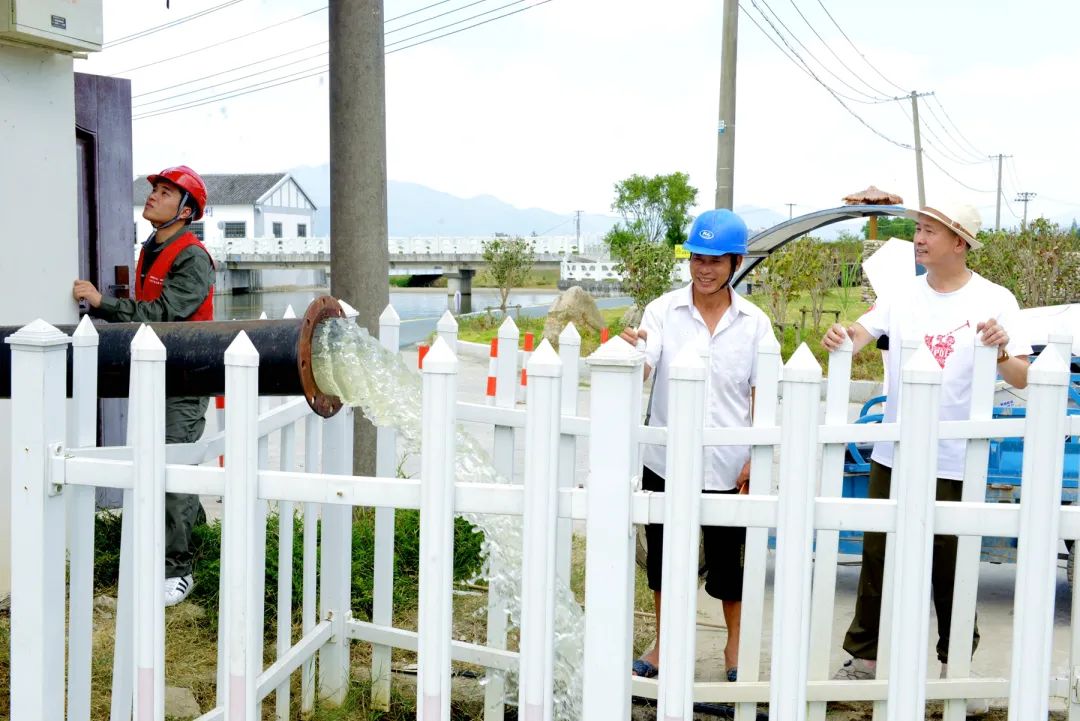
960 218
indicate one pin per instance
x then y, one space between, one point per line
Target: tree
647 269
656 208
509 261
892 227
1039 264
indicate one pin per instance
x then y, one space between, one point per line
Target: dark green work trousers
185 420
861 640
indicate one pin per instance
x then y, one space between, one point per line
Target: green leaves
656 208
509 262
1040 264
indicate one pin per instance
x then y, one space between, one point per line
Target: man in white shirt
710 316
945 308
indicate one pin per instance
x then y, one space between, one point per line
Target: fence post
569 352
541 501
825 545
1040 516
312 432
80 518
615 407
437 468
286 513
757 539
914 478
682 528
447 329
382 612
147 409
503 460
794 536
969 548
336 562
242 564
123 651
38 381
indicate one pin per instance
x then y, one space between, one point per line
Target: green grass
481 328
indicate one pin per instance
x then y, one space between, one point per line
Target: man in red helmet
174 281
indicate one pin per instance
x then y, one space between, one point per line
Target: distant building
270 205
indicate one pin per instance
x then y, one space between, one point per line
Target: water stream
351 364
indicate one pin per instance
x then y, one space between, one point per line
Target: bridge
239 260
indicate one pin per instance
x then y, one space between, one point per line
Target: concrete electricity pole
1025 198
997 213
577 230
918 145
725 127
790 209
359 255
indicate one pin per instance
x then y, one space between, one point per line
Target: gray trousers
185 420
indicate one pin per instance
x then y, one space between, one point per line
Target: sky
551 106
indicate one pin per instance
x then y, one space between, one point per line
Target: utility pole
997 213
577 230
359 256
918 145
1025 198
725 126
790 209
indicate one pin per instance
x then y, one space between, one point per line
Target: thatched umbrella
873 196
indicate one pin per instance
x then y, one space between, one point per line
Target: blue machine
1006 460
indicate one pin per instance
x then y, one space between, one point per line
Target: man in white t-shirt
947 308
710 316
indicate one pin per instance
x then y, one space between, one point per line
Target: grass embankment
797 327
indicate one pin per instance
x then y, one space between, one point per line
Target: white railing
607 270
45 476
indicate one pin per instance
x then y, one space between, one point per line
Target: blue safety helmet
717 232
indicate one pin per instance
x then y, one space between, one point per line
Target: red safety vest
150 288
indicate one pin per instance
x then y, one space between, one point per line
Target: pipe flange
320 309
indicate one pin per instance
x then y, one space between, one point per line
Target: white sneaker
177 589
857 669
977 706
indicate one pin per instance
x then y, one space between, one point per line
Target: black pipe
195 356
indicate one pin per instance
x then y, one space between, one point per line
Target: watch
1003 355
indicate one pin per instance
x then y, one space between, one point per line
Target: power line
957 129
456 22
304 74
223 42
833 52
418 10
320 56
957 143
165 26
953 177
823 84
429 19
953 157
460 30
808 52
858 52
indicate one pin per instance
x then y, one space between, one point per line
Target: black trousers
861 640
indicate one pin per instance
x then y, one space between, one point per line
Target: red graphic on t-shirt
941 345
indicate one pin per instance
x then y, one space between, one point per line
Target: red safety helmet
187 180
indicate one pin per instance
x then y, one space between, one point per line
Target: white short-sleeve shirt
671 323
947 323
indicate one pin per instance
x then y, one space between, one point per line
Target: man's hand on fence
633 335
743 481
993 333
834 337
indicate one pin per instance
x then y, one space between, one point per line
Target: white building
271 205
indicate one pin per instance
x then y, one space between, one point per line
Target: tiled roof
222 189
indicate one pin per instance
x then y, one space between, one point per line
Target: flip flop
644 669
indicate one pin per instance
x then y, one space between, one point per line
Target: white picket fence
55 469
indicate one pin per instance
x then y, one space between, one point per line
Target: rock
180 703
105 606
572 305
632 317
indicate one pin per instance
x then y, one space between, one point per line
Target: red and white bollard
526 354
492 358
604 335
219 406
421 351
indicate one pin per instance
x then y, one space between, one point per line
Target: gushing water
349 363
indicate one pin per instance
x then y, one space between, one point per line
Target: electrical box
61 25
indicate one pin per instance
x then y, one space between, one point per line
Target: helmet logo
706 234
